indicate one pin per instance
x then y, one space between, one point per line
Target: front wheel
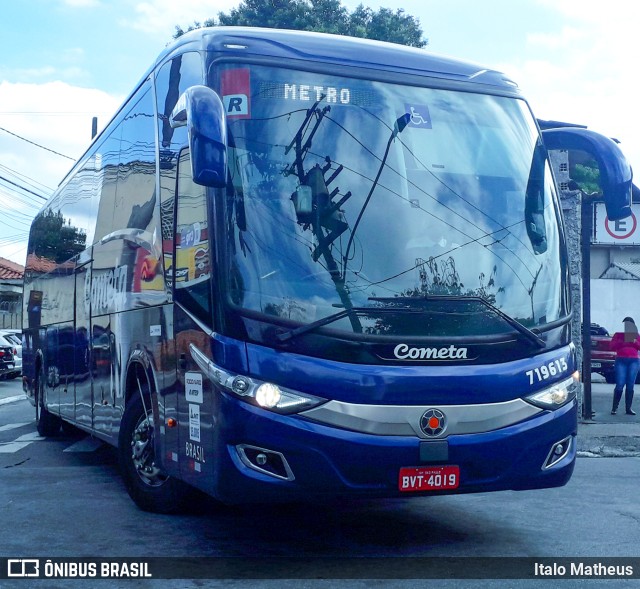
149 487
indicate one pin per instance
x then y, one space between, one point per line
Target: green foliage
55 240
587 175
324 16
439 277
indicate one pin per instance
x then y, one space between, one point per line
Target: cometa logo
404 352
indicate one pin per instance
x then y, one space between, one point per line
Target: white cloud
82 3
587 71
55 115
611 12
43 74
58 114
162 16
567 37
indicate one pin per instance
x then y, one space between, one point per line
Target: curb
608 447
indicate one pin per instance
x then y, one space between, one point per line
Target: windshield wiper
533 337
292 333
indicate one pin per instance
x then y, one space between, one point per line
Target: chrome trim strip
213 372
404 420
139 237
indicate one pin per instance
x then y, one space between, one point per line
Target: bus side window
171 80
192 277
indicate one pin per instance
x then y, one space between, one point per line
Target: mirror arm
615 172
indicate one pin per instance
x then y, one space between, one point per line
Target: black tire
148 486
70 430
610 378
47 424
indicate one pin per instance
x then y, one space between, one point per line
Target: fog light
265 461
268 395
558 451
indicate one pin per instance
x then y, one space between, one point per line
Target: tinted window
172 80
193 268
354 193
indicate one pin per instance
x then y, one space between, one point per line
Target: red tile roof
10 270
43 265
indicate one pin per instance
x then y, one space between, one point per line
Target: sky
66 61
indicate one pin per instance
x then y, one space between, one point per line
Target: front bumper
327 461
7 368
603 366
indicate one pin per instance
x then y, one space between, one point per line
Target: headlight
263 394
556 395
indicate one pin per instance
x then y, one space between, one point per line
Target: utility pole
586 209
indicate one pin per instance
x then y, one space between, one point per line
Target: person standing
626 345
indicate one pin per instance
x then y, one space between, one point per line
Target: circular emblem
433 422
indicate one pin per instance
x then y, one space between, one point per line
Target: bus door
102 372
66 370
81 348
110 277
192 299
51 369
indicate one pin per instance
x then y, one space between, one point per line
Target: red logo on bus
236 93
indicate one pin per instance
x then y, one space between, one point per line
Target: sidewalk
609 435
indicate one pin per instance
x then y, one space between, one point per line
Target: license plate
428 478
596 365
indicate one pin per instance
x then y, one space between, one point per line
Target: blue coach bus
297 265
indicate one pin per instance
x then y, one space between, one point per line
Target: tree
55 239
587 175
324 16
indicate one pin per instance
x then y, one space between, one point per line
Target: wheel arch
140 368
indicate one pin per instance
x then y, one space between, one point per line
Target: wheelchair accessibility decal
419 116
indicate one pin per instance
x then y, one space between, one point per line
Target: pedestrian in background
626 345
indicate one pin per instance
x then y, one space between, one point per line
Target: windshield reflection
346 190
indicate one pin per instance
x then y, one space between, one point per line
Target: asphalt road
63 497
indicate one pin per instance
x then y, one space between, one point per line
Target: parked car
13 338
7 363
602 357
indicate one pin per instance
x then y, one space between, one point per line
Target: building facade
11 275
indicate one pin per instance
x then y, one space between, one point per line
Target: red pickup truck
602 358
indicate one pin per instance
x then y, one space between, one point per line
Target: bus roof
339 50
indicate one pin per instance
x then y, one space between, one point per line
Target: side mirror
202 111
615 172
534 202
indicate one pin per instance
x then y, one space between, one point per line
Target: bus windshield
356 194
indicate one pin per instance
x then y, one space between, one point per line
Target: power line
37 144
27 179
49 113
15 200
23 188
